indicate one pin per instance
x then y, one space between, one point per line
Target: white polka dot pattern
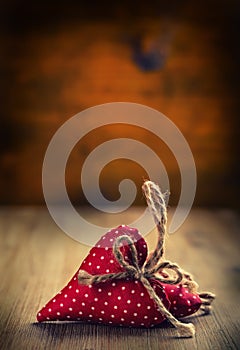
117 302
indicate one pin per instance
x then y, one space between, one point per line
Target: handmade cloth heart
124 302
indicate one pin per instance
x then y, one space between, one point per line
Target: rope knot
135 274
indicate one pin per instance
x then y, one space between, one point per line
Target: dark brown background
180 58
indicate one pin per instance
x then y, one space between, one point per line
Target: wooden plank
37 259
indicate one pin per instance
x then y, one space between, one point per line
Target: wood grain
37 259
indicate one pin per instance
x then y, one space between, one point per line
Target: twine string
156 203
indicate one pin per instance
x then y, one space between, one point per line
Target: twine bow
153 268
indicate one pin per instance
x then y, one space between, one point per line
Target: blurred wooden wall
56 64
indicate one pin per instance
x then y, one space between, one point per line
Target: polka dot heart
117 302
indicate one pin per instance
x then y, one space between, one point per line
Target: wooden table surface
37 259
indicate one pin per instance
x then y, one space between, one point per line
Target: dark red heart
117 302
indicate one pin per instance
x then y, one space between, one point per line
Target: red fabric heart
117 302
182 302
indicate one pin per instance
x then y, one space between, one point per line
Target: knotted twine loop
153 267
156 201
157 205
